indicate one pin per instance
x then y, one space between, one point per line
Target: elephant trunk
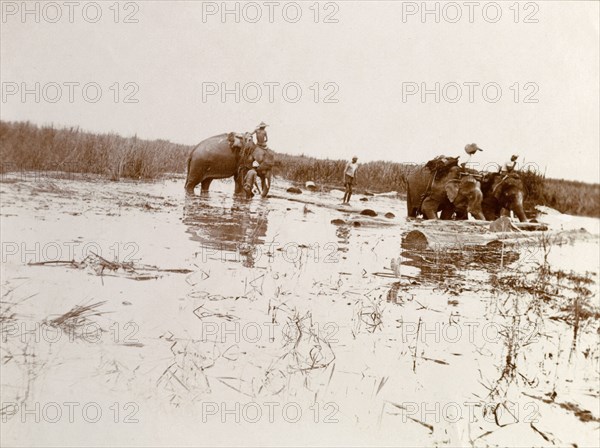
516 206
475 205
265 184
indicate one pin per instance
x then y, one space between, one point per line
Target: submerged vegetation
27 147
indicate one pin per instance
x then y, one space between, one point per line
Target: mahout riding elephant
446 187
228 155
502 193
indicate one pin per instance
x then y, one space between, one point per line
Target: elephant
502 193
447 188
228 155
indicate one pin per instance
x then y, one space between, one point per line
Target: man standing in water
349 178
250 180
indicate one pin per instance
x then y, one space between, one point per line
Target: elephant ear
452 189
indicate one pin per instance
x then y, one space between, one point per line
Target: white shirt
509 166
351 168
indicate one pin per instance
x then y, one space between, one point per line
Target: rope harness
499 183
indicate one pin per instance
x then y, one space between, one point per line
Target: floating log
429 237
314 199
503 224
359 221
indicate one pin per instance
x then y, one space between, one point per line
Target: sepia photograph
300 223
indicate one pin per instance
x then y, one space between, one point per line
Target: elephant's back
210 147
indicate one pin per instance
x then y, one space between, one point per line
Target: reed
27 147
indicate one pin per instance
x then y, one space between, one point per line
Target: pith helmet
472 148
262 125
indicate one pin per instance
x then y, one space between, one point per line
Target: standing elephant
224 156
443 188
502 193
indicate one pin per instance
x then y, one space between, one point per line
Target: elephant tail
188 166
189 161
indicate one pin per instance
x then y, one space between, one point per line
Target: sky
354 74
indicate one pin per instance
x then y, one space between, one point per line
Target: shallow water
280 306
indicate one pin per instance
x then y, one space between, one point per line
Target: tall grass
566 196
25 146
372 176
575 198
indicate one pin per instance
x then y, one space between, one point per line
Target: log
425 238
314 200
364 221
501 224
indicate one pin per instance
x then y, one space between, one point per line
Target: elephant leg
429 208
447 213
498 212
410 212
238 181
190 184
196 174
489 214
430 214
206 185
488 208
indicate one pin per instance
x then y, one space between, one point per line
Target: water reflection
343 234
443 263
226 232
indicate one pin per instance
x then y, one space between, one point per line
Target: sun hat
472 148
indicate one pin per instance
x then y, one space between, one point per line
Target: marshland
132 312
